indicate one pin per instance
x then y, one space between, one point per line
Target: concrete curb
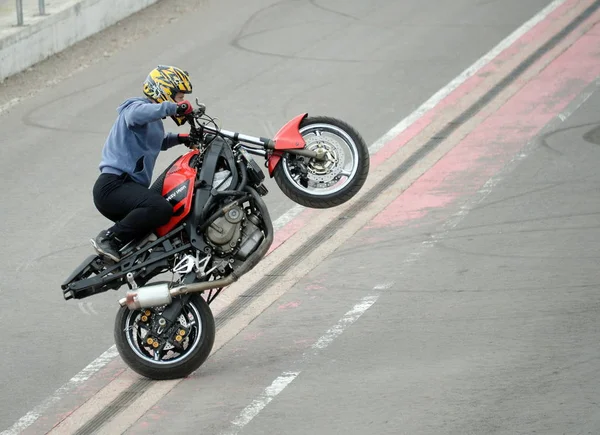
65 25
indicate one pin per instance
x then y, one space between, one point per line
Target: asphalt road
483 319
255 64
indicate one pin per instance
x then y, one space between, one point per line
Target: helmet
164 82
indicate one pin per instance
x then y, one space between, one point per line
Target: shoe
107 245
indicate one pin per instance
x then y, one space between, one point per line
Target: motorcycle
220 230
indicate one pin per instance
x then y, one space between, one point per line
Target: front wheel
169 352
333 180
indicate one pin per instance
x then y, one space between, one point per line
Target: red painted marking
253 336
470 84
496 140
315 287
291 228
288 305
304 341
391 147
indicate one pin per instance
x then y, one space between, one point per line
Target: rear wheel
171 353
335 179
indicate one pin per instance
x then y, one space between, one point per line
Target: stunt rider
121 191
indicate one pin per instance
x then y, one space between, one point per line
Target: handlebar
193 117
240 137
263 144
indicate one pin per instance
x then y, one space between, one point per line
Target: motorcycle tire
326 189
137 357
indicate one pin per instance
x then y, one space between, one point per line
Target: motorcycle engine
225 232
235 232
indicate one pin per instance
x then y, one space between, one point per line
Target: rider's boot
107 245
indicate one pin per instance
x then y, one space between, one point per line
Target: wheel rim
167 353
330 176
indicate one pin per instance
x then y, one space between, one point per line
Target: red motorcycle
219 231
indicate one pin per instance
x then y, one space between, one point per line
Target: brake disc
325 172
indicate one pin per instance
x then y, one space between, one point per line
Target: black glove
184 108
184 139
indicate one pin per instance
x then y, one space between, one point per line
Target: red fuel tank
178 189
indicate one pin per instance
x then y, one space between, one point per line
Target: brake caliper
178 336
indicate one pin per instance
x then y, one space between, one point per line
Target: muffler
155 295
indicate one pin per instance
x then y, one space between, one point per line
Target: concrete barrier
66 23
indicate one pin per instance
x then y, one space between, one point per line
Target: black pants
135 209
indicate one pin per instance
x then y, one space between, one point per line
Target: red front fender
288 137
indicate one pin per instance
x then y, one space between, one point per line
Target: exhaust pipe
154 295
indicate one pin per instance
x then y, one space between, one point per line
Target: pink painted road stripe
291 228
502 135
531 37
393 145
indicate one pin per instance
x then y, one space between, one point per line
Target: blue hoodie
136 138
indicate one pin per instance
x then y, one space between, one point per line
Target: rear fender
288 137
81 268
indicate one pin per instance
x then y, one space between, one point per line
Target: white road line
286 378
349 318
33 415
384 286
263 400
288 216
29 418
566 114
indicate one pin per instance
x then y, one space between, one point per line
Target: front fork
169 315
173 310
160 332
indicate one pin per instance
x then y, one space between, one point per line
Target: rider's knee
164 211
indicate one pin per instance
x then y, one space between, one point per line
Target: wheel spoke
345 174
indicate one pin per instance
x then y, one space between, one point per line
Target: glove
184 108
184 139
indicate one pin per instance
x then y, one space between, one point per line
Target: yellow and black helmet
164 82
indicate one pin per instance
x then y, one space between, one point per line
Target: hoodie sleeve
143 113
170 140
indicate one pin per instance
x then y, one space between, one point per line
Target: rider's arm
170 140
140 114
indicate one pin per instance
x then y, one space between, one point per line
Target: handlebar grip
269 143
